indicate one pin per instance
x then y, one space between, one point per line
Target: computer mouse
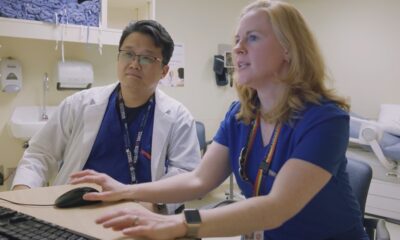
73 198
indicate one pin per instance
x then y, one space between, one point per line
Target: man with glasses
129 130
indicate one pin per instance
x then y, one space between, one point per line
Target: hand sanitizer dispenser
10 75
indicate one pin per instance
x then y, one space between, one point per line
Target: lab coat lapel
93 117
161 131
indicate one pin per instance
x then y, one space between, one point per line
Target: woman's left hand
144 223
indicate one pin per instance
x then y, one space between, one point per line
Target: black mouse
73 198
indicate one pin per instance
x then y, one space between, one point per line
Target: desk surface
81 219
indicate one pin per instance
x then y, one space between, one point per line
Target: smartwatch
193 221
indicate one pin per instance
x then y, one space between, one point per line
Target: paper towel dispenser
74 75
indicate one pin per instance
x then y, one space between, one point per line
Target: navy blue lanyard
133 158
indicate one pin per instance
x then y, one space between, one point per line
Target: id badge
258 235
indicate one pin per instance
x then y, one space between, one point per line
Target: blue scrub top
320 136
108 153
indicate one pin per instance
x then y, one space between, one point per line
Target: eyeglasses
244 153
242 163
129 56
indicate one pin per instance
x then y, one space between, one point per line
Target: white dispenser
10 75
74 75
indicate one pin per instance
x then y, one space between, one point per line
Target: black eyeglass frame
244 154
141 58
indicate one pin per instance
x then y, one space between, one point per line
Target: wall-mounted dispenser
220 70
74 75
10 75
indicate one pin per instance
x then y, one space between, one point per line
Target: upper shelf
46 31
115 15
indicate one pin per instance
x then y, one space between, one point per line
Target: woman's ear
286 55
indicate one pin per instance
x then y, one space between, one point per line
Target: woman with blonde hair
285 142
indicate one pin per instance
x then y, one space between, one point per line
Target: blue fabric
108 153
320 136
86 13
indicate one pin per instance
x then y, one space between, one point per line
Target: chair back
201 136
360 175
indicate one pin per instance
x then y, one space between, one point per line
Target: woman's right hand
112 190
144 224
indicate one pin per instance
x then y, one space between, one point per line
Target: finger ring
135 220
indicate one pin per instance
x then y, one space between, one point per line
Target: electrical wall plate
228 63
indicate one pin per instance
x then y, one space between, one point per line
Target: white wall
201 26
360 41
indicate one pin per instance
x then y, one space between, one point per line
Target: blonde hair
306 75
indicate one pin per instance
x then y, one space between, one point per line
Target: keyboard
19 226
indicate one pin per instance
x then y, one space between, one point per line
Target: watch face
192 216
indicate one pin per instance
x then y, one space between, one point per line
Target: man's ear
165 70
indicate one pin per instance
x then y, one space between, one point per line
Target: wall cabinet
114 17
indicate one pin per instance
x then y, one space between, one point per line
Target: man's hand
20 187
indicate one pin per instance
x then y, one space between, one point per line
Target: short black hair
156 31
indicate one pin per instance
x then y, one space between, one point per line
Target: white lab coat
63 145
